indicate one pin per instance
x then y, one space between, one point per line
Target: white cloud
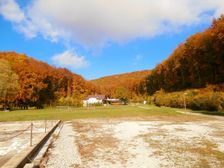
69 59
11 11
97 22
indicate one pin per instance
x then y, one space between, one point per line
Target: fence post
45 129
31 134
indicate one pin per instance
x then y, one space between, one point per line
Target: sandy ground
156 143
15 136
65 152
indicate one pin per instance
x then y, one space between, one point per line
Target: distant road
199 114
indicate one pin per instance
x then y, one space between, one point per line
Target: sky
96 38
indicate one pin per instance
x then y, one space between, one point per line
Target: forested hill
197 62
194 64
121 78
27 82
126 83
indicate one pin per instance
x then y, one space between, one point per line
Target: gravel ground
98 143
64 153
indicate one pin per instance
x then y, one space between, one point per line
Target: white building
94 99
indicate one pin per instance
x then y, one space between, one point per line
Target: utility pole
185 105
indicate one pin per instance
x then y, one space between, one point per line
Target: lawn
69 113
212 113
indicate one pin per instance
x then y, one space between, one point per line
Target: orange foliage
195 63
41 83
109 85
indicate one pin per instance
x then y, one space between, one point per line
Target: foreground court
133 143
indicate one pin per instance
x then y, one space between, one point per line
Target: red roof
99 97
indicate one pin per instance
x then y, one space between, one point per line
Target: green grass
214 113
92 112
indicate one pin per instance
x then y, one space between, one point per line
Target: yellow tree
9 84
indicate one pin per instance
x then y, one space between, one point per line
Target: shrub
168 99
211 101
197 99
69 101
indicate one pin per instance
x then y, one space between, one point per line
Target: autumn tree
42 84
193 64
122 94
9 85
129 81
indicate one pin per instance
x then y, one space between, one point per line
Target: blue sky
96 45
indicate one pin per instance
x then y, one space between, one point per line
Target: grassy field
68 113
212 113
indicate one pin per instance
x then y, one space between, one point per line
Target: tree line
197 62
122 86
196 67
26 82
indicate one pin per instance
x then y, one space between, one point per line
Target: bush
212 101
69 101
150 100
197 99
168 99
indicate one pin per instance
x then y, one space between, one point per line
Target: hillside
127 82
121 79
193 75
193 64
196 67
196 63
29 82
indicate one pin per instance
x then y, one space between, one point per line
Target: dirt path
200 115
64 153
140 144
